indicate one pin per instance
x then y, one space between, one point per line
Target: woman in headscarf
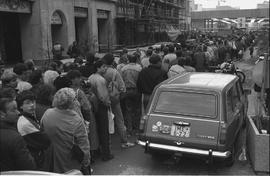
66 130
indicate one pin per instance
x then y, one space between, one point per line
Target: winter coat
150 77
13 150
37 141
65 128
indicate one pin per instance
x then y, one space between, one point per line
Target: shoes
107 158
127 145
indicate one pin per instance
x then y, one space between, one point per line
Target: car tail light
142 123
223 131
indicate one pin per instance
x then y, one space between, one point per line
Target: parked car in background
195 113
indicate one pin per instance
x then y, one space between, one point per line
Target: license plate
180 131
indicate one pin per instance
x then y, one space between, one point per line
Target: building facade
223 20
29 28
143 22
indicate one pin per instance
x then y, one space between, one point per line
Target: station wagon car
195 113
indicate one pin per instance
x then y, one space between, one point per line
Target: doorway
82 32
103 35
59 29
10 38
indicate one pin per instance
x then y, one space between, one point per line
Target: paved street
135 162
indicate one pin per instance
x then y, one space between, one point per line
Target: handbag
77 152
111 121
113 90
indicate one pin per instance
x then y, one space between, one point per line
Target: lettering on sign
102 14
56 19
22 6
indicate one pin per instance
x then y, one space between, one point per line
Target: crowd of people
57 118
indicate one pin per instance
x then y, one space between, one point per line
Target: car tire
230 161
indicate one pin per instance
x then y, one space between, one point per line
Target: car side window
229 105
232 101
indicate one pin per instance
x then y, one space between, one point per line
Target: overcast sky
243 4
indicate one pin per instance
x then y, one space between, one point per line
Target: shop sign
56 18
80 12
20 6
102 14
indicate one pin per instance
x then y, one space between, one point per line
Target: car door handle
181 123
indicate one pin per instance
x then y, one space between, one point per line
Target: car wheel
230 161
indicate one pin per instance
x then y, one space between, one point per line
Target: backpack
113 90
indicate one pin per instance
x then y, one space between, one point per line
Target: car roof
199 80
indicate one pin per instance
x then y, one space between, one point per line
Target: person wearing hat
150 77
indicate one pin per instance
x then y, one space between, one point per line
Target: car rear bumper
216 154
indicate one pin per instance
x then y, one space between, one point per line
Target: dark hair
108 59
125 51
90 57
72 74
132 58
35 77
19 68
178 53
30 65
171 48
154 59
69 66
3 104
53 66
165 50
61 82
7 93
58 62
78 60
24 95
188 61
98 64
204 48
181 61
149 52
44 93
137 56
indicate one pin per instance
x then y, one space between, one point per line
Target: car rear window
187 103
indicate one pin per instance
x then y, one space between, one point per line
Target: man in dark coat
13 150
150 77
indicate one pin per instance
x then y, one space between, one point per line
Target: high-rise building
263 5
